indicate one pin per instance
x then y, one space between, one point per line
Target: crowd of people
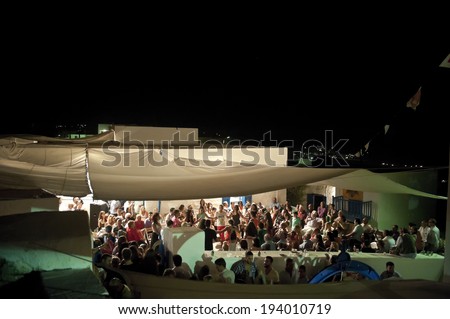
129 238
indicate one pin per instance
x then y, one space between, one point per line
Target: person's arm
223 230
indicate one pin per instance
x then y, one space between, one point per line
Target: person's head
156 217
268 262
97 243
106 260
390 266
126 253
220 264
289 265
302 271
256 243
249 257
177 260
116 284
244 244
432 222
115 262
203 272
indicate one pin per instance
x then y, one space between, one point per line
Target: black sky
296 84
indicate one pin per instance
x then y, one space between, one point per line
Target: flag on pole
446 62
414 101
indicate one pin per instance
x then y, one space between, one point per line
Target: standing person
275 203
221 215
322 210
156 227
433 237
389 272
210 235
231 235
424 230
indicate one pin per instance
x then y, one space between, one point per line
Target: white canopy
81 167
367 181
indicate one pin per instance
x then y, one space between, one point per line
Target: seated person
389 272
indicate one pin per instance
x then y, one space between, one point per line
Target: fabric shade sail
58 169
152 175
112 170
367 181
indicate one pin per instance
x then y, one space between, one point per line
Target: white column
447 236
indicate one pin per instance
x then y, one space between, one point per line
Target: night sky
294 84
